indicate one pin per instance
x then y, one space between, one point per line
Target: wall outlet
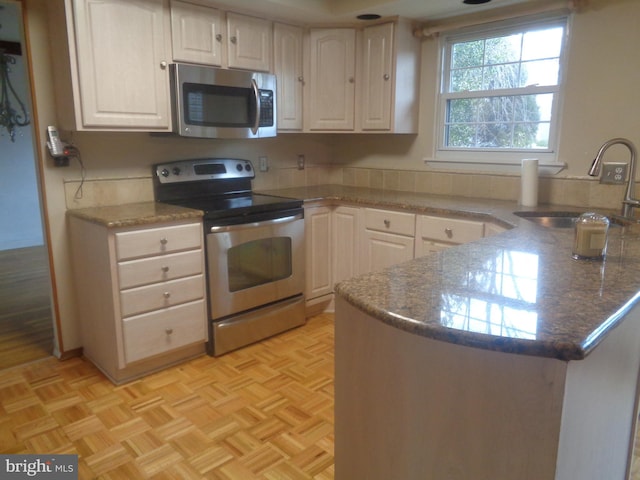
300 162
614 173
263 164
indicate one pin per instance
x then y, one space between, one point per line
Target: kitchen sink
567 219
551 219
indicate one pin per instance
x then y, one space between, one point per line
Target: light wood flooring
26 325
262 412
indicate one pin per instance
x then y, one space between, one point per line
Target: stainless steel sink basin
551 219
567 219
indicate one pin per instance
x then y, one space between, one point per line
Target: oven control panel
204 169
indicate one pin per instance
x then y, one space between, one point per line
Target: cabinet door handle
219 37
387 223
234 39
163 65
448 232
386 76
168 331
163 241
165 268
166 294
352 80
301 78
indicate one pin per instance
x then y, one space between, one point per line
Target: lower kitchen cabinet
140 293
387 239
437 233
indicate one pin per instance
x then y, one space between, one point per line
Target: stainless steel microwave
210 102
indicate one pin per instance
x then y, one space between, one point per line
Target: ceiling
340 11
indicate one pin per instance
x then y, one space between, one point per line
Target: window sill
545 167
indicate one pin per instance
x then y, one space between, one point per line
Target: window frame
496 158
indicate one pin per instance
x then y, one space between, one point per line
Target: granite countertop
134 214
516 292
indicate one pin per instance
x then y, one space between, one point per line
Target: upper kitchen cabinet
363 80
118 64
250 42
288 67
197 33
389 84
332 69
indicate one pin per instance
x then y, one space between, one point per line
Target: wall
20 218
600 103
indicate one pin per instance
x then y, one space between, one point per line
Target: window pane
461 135
467 54
466 80
540 72
542 44
503 49
463 110
501 76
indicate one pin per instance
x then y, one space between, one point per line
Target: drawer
161 331
389 221
157 241
145 271
161 295
451 230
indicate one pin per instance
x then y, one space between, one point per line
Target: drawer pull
387 223
448 232
168 331
163 241
165 269
166 294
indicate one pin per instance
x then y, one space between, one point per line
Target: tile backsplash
579 192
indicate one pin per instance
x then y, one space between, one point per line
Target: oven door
254 264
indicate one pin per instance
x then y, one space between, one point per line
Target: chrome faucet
629 201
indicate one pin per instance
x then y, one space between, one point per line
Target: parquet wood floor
263 412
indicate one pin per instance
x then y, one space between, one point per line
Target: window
500 93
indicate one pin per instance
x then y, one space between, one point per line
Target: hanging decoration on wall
10 117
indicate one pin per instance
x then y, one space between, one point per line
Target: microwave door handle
256 95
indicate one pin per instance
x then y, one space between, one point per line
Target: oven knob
239 167
247 167
164 172
176 170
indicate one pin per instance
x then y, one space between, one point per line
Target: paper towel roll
529 182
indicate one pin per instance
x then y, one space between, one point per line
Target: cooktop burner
219 187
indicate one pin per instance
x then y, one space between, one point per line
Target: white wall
20 218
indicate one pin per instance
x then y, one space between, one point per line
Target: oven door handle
264 223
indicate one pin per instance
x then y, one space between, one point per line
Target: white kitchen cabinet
388 86
288 67
332 252
140 294
437 233
197 33
250 42
118 53
345 243
331 85
319 265
388 239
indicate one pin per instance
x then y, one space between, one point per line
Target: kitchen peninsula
499 359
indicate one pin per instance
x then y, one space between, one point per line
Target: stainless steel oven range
254 249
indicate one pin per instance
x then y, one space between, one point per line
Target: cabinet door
346 244
121 48
377 77
332 79
381 250
288 69
249 42
319 275
196 33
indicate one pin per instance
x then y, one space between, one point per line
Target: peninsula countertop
516 292
135 214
